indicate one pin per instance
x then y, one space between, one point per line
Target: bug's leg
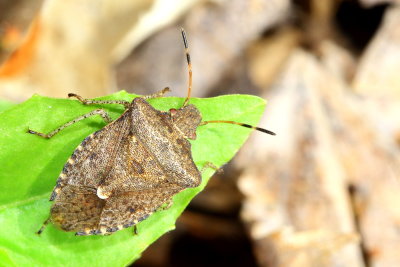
158 94
100 112
86 101
135 230
211 166
45 223
166 205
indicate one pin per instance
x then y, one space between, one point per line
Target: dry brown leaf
378 72
269 54
218 32
371 3
300 179
73 45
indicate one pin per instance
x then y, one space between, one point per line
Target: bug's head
186 119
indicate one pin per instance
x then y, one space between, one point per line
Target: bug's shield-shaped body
122 173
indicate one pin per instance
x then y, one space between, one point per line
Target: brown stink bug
132 167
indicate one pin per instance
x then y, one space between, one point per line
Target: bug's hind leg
135 230
45 223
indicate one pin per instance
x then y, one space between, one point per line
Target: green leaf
4 104
30 166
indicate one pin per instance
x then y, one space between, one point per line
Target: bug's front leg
100 112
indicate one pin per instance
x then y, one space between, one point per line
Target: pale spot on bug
101 194
71 161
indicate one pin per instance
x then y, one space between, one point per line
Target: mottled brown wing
128 208
110 155
77 208
153 152
95 156
134 169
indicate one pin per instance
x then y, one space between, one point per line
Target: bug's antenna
240 124
189 63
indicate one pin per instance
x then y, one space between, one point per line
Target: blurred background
324 192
